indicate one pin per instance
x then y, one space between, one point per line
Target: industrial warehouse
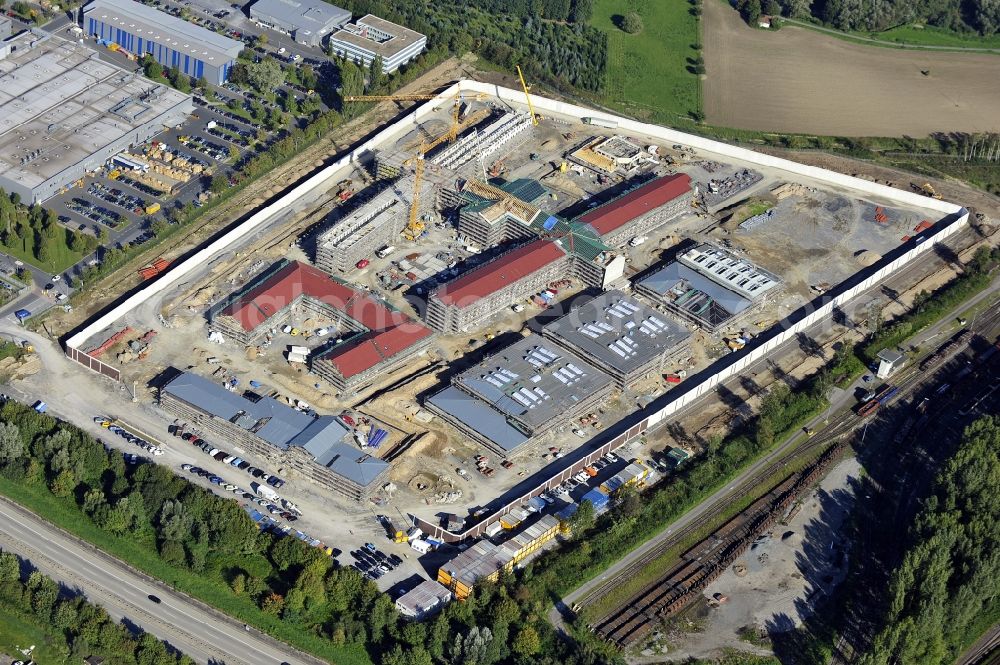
486 560
371 37
306 21
314 446
64 112
522 392
171 41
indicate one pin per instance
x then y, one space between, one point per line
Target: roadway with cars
197 630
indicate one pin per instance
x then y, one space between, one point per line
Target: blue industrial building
173 42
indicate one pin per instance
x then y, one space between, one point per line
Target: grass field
16 632
647 73
61 257
800 81
930 36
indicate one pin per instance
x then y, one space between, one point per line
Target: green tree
10 567
352 83
582 519
265 76
63 484
632 23
11 445
527 643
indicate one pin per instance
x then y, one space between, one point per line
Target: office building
64 111
172 41
371 36
306 21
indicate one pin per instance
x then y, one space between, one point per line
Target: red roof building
655 201
499 273
482 292
384 339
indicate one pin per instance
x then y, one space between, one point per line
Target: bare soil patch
797 80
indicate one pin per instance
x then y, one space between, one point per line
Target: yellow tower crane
531 109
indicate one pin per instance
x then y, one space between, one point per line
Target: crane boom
531 109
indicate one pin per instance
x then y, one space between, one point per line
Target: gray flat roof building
307 21
708 286
63 111
522 391
422 600
312 445
371 36
171 41
6 27
620 335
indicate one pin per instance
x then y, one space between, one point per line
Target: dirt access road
798 80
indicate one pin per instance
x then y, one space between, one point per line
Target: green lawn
647 74
16 632
61 257
931 36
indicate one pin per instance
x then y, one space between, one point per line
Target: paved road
884 42
196 630
692 516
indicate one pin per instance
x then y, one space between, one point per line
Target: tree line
549 39
78 628
929 307
961 16
943 594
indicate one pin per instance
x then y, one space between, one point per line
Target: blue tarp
596 497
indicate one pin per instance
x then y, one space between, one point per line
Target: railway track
700 564
709 558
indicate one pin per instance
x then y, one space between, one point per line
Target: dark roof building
313 446
708 286
640 210
623 337
375 338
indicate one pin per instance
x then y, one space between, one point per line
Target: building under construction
365 229
640 210
374 339
315 447
709 287
527 389
623 337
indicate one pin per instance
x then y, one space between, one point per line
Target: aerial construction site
461 318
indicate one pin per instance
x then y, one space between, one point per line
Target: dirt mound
867 258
